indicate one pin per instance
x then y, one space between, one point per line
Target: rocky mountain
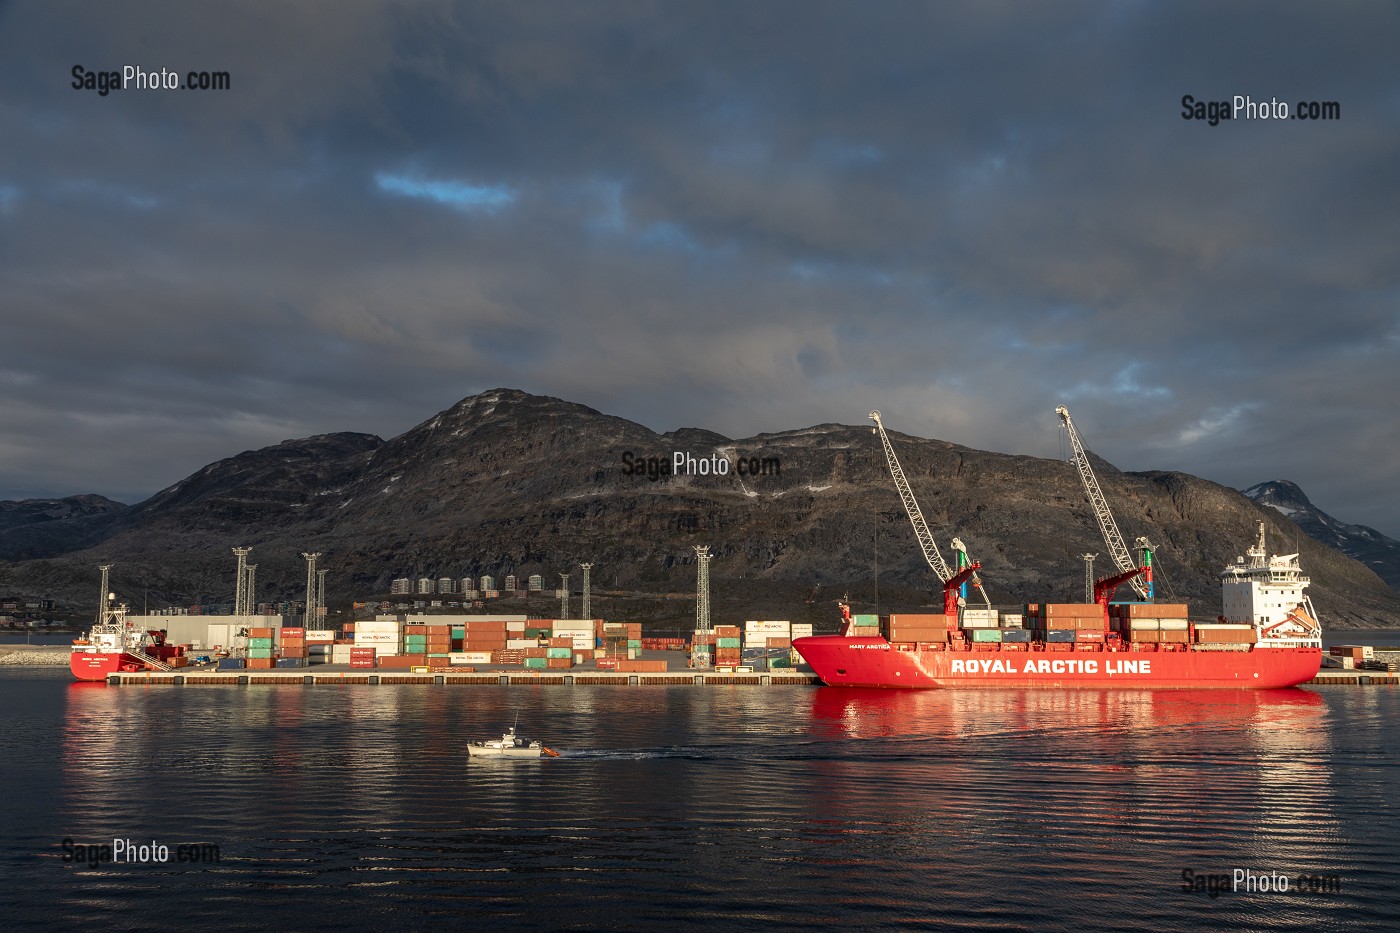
1375 550
32 528
506 482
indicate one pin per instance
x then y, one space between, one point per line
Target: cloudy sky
741 216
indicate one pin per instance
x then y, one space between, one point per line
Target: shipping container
1157 610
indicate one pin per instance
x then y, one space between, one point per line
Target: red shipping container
1157 610
559 663
260 633
290 632
260 664
1071 609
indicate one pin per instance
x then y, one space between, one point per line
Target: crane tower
1138 577
951 580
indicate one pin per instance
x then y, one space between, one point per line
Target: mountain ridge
1361 542
507 482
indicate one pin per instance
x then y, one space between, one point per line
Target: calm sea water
358 807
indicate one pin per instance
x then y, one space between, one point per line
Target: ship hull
874 662
96 665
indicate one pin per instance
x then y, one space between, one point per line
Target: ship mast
104 597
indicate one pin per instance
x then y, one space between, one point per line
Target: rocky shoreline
34 655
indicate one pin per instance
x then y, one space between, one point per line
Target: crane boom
1117 549
911 506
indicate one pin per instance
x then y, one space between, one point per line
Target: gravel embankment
34 655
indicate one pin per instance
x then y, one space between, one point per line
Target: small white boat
509 745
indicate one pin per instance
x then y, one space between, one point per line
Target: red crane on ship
952 580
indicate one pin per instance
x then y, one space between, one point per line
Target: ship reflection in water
783 806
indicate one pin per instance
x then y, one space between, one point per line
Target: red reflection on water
864 713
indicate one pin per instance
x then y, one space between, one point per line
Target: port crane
1139 577
967 569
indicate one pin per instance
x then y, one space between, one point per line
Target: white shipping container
980 615
802 630
515 626
376 638
971 621
1172 625
320 634
513 643
583 643
1009 620
469 657
775 627
376 626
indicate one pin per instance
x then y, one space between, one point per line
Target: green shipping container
536 662
728 642
260 652
443 655
866 619
634 643
260 643
459 632
537 633
559 652
986 634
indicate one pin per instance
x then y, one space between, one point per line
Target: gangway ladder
149 660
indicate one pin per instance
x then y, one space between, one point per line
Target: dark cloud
739 216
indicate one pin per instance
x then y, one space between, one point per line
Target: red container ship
112 645
1135 645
